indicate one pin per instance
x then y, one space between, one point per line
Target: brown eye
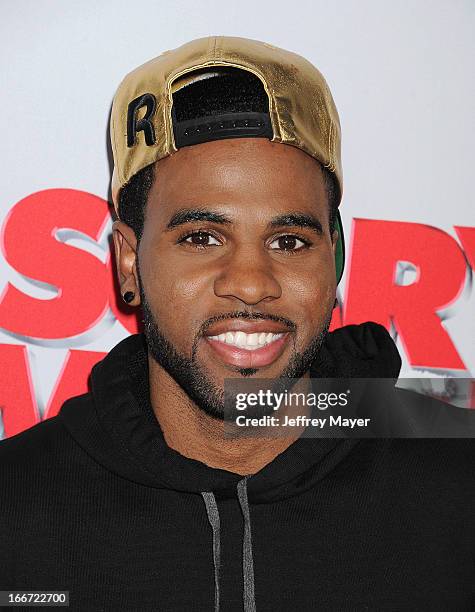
288 243
200 239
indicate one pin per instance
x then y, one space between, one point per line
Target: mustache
250 316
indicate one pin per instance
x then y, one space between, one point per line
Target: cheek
176 295
311 295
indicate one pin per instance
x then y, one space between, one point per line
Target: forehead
253 173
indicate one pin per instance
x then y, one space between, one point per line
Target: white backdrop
401 74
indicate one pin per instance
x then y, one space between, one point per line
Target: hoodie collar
120 430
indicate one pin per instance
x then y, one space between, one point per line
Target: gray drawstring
213 518
247 560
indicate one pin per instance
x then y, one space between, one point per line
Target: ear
125 247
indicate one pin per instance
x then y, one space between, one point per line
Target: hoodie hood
118 428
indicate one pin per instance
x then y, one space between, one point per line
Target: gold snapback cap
301 113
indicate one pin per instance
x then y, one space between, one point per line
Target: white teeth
240 339
250 342
253 340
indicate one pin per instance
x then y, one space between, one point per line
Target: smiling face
235 265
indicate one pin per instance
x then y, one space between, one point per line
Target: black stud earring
128 296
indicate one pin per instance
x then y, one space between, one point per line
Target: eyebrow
297 219
293 219
186 215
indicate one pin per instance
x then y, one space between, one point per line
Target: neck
194 434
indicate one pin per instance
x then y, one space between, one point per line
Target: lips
247 344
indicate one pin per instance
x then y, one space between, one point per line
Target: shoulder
39 448
43 469
40 438
443 463
424 416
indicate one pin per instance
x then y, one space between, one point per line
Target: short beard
195 380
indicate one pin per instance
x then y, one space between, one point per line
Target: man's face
236 265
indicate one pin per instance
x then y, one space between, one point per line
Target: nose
248 276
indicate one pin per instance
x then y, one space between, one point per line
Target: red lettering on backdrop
336 322
73 378
17 400
29 245
18 403
467 238
373 295
86 287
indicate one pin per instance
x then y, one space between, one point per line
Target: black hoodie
94 502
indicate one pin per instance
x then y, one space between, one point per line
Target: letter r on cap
144 124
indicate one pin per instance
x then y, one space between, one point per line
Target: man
227 180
